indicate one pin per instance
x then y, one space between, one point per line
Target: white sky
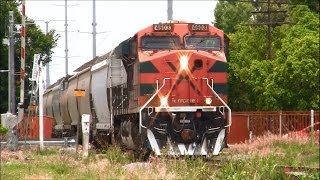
121 19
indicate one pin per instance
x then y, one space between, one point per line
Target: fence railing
244 126
247 124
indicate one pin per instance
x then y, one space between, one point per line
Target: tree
290 80
229 14
294 81
36 42
248 67
312 4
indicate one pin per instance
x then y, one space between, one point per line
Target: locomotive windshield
203 42
160 42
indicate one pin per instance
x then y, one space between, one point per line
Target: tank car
163 90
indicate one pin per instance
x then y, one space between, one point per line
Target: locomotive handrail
150 99
225 104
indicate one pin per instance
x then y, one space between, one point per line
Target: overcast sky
116 21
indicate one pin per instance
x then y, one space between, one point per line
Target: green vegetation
3 130
37 43
264 158
300 154
290 79
115 155
253 168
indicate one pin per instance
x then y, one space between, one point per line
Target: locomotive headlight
208 101
164 101
184 62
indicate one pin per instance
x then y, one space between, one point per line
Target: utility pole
169 10
66 37
47 64
11 79
270 24
94 32
269 31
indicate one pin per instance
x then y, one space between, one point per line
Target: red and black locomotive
163 88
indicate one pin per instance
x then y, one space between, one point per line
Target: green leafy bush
3 130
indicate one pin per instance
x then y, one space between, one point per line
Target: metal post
249 129
66 37
47 64
11 88
9 76
94 33
23 58
169 10
85 124
40 107
280 123
47 25
312 126
78 98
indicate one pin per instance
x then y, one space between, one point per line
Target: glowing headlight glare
163 101
208 101
184 62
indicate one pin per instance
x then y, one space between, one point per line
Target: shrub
3 130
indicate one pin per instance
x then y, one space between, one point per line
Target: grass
253 168
298 154
266 156
260 159
116 155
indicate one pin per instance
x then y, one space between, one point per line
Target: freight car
163 88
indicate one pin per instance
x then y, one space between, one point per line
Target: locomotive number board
199 27
162 27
